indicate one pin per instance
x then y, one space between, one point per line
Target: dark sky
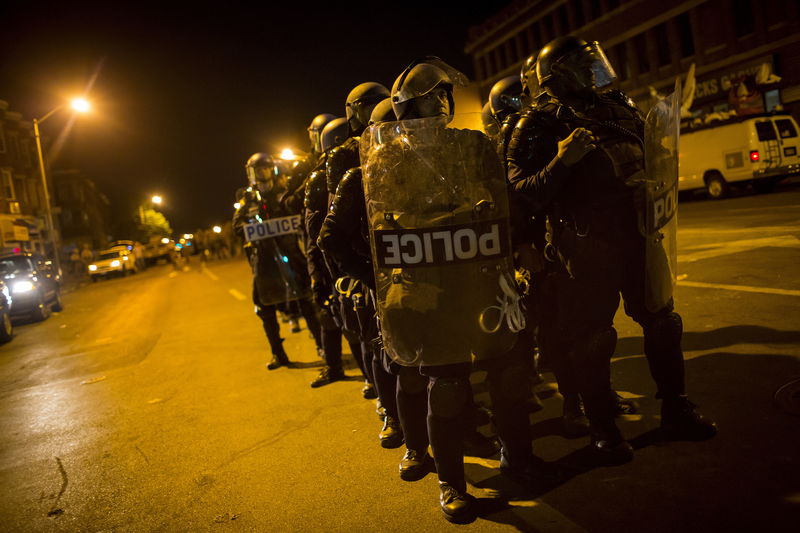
184 93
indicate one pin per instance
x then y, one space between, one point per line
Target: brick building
83 211
22 222
737 46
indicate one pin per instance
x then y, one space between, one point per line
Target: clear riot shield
278 263
438 212
661 135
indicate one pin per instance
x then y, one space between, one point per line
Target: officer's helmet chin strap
510 308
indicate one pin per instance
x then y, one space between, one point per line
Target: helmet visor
602 72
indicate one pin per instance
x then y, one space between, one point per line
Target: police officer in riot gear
294 196
279 271
322 285
359 104
344 239
580 156
423 179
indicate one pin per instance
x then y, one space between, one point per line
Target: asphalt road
145 406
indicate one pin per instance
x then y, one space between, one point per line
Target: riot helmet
421 79
578 64
527 76
490 125
315 130
334 134
360 103
506 97
382 112
261 171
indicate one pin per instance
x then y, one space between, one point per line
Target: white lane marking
707 251
236 294
740 288
210 274
173 274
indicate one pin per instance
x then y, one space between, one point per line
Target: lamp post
82 106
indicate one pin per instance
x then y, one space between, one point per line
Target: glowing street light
287 153
216 229
80 105
156 199
237 205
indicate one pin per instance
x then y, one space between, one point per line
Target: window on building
487 66
563 19
499 60
596 9
2 140
510 51
662 45
14 145
623 64
772 99
743 21
580 19
19 188
642 58
8 184
546 28
685 35
534 41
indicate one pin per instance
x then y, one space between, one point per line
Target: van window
786 128
765 131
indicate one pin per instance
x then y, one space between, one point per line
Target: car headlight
92 268
22 286
115 263
125 258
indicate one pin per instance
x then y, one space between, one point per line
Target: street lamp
217 229
80 105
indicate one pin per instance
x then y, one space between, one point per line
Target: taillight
754 155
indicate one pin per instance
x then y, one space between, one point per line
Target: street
146 406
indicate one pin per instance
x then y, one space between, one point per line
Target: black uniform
596 233
262 262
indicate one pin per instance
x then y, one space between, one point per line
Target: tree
153 224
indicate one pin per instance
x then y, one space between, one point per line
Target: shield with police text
661 134
438 212
279 266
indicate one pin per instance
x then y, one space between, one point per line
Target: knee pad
601 343
410 381
448 397
665 330
512 382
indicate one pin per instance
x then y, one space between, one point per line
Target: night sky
184 94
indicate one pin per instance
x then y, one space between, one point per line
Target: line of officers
570 147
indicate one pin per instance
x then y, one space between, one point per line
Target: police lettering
448 244
664 207
272 227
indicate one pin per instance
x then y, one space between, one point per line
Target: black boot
327 376
457 506
415 465
368 391
681 421
626 406
573 417
391 435
608 446
279 359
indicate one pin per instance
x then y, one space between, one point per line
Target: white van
757 149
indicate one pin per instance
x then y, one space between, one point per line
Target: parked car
751 149
115 261
6 327
33 283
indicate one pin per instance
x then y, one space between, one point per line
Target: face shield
602 72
